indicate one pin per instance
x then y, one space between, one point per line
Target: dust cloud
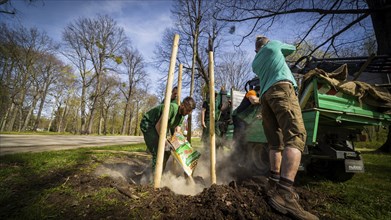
226 166
135 171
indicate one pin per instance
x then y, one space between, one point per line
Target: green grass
366 196
372 145
374 138
28 179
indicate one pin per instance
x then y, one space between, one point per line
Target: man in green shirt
174 95
151 121
282 123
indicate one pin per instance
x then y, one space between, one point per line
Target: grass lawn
366 196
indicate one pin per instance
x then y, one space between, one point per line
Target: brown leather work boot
286 201
271 187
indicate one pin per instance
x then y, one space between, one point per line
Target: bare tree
94 43
135 70
111 95
7 8
329 24
63 95
233 70
22 50
53 72
199 33
143 102
76 53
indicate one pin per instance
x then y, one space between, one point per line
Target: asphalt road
10 144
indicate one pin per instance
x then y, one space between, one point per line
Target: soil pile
132 199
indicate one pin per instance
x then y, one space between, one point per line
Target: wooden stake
178 101
164 122
212 136
179 83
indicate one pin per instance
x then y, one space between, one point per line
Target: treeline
93 81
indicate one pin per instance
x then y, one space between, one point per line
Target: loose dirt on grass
120 188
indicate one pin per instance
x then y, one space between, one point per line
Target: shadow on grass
23 188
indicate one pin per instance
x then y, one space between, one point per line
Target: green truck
333 119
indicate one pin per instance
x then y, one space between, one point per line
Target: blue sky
143 21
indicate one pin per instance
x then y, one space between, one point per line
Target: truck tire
339 174
258 155
333 170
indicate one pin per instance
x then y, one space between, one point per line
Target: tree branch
315 24
302 10
7 12
340 32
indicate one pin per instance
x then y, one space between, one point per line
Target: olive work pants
205 134
151 138
282 119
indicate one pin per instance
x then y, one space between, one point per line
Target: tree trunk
65 125
63 117
195 51
83 116
6 116
30 112
36 123
14 114
52 115
20 119
381 23
125 118
97 101
113 122
91 120
105 120
18 109
43 98
59 115
100 124
92 114
130 123
136 131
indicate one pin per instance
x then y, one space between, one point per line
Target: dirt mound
234 201
118 189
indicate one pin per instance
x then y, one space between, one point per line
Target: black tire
333 170
259 159
338 173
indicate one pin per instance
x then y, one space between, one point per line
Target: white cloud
145 31
143 21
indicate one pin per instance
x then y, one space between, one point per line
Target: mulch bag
182 151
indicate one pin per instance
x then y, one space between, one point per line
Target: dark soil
118 189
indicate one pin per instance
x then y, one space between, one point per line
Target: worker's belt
285 81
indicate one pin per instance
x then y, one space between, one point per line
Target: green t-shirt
270 66
172 101
151 117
